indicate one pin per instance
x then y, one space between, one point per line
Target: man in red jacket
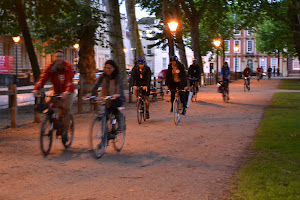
61 75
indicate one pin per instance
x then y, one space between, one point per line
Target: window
236 64
237 43
236 32
149 51
228 61
227 46
274 63
263 64
149 33
296 64
164 61
249 46
250 32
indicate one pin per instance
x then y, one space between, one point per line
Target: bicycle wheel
46 136
245 87
176 111
140 111
144 109
98 136
67 141
119 139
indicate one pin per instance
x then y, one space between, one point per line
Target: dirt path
194 160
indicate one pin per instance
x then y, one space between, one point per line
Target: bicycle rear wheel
119 139
140 111
98 137
176 111
67 141
225 96
46 136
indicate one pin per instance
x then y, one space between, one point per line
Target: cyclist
61 75
194 72
141 76
247 73
176 78
225 72
111 82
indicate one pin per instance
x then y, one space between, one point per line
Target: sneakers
147 115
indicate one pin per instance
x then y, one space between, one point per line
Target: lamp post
172 26
217 43
236 49
76 46
16 40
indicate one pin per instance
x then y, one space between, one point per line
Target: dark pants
182 94
112 107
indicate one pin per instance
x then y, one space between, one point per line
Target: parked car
162 74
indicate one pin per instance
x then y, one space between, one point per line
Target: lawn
293 84
273 169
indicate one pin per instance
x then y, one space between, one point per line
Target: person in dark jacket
225 72
269 72
194 73
141 76
111 82
247 73
176 78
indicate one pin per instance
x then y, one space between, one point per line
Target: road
193 160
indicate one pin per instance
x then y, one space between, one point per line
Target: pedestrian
269 72
225 72
274 71
278 72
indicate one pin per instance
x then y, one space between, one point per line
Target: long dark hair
114 64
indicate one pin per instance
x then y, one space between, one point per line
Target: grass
293 84
273 170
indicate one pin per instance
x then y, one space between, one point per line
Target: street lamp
172 26
76 46
16 40
236 49
125 50
217 43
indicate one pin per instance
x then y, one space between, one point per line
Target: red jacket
62 81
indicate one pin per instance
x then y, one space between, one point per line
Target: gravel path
194 160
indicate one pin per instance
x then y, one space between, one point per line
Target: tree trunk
196 42
134 35
116 38
20 13
87 63
179 39
294 15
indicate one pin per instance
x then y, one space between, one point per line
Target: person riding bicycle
111 82
194 73
141 76
176 78
225 72
247 73
61 73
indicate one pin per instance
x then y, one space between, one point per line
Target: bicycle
246 86
177 106
104 128
54 122
194 88
141 105
223 88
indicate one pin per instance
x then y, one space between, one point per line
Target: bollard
13 122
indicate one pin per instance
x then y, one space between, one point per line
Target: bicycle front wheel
119 139
68 139
98 137
140 111
46 136
176 111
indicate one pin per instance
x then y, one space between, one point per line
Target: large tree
133 27
116 37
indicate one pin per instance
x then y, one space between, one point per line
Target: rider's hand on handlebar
65 94
145 88
185 88
115 96
134 87
166 87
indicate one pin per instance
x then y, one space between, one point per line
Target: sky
139 13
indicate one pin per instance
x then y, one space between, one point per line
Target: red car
162 74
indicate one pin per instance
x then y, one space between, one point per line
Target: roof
146 20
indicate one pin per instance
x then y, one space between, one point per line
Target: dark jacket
247 72
141 78
194 71
225 72
118 82
169 76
